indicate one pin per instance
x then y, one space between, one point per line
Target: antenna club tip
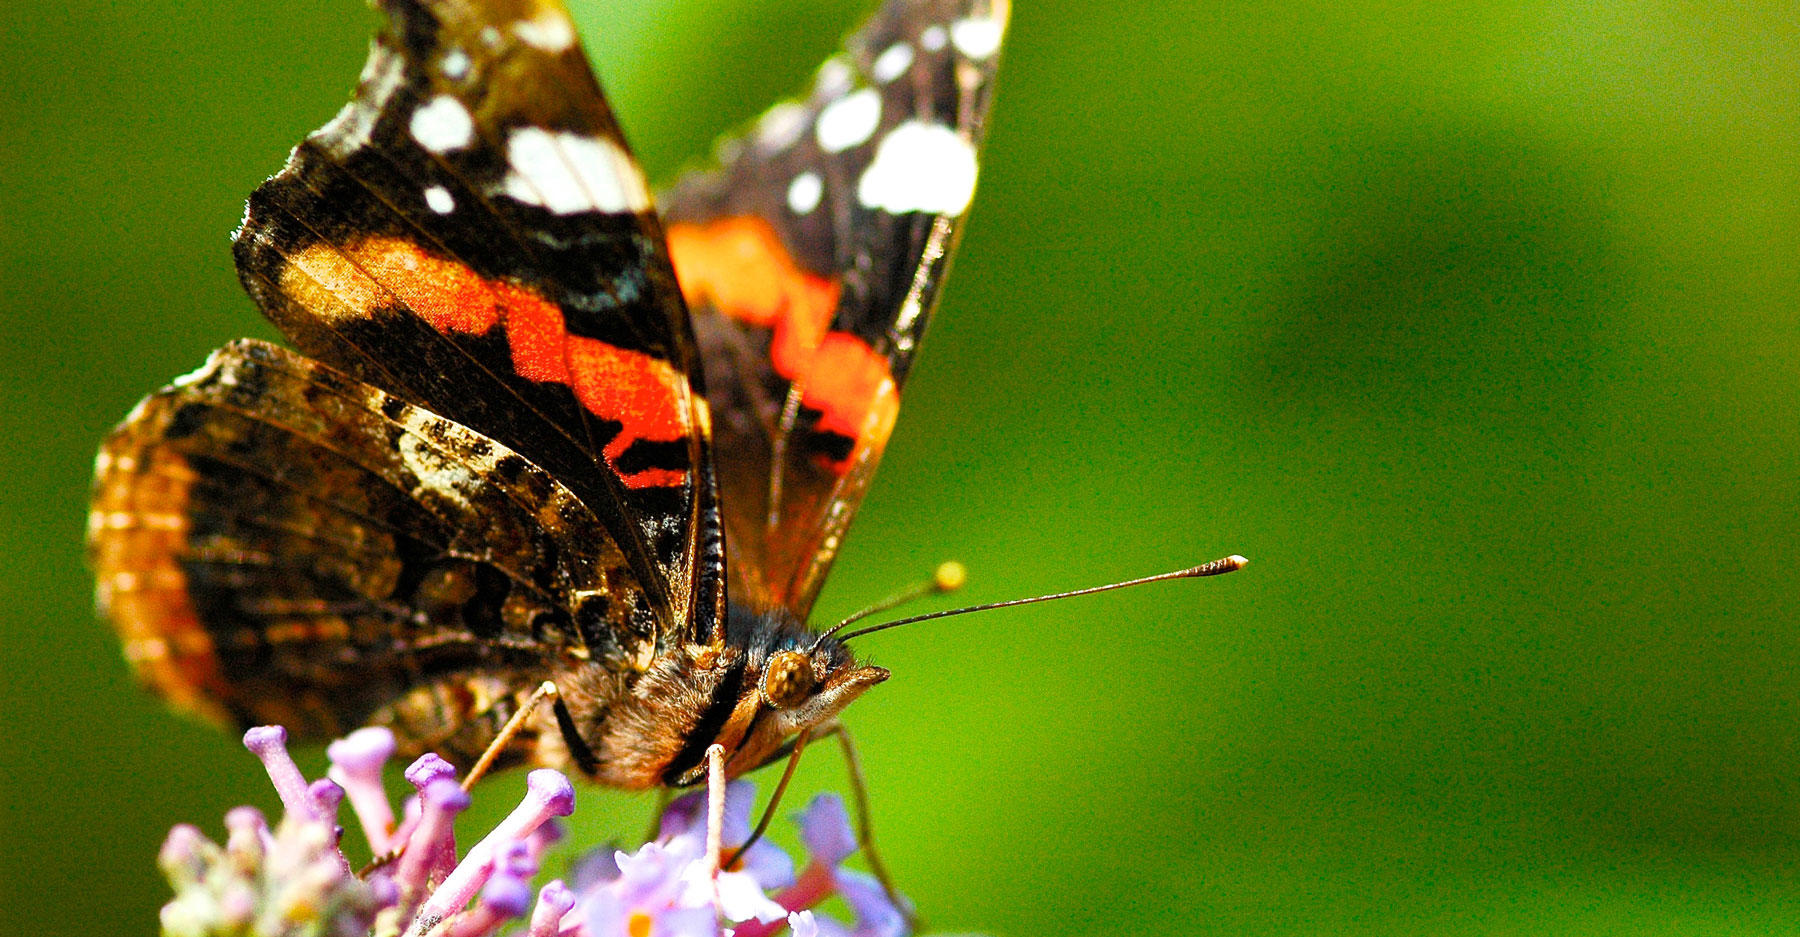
1218 567
950 576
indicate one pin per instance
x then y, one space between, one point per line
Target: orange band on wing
535 334
137 534
740 266
610 379
644 393
852 388
446 294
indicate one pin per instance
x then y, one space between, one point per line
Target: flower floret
294 880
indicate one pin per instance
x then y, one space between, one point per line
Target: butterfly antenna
948 577
1219 567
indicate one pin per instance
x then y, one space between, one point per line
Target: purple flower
356 763
294 882
875 914
825 830
650 897
763 862
553 904
287 882
667 887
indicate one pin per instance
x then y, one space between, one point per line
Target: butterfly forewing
811 257
472 234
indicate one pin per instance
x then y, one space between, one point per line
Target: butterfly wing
471 235
811 257
278 542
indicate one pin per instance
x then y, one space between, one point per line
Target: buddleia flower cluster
292 879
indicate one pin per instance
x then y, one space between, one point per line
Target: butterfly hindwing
811 258
472 235
278 542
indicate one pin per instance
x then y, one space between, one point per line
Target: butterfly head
798 688
771 680
791 682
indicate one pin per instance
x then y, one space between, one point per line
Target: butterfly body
535 430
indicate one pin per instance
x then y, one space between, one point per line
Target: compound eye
788 680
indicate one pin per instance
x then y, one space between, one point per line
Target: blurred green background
1473 325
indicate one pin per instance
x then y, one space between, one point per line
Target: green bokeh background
1474 325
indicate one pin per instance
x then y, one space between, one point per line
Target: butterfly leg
509 731
795 747
865 830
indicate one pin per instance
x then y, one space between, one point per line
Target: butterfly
537 424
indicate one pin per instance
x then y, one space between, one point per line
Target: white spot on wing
933 38
567 173
892 63
781 125
439 200
920 167
976 38
455 64
550 31
442 124
834 78
849 121
804 192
